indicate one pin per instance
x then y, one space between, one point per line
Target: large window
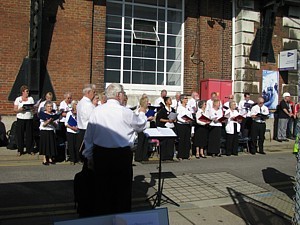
144 42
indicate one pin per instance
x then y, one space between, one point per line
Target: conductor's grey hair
113 90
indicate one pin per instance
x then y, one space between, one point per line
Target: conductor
108 140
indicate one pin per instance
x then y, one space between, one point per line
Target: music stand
160 133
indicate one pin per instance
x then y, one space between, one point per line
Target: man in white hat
284 113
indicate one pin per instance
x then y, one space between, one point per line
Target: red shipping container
223 88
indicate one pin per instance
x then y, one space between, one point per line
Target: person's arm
17 109
88 139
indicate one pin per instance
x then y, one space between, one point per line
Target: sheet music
172 116
159 132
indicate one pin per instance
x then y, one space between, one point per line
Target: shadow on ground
255 212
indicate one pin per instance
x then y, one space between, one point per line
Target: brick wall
14 29
207 42
66 45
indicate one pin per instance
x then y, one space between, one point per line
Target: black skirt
201 136
214 140
48 143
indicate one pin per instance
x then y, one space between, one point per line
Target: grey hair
88 87
112 90
182 96
231 102
201 103
48 103
67 94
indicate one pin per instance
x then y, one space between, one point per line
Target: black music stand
160 133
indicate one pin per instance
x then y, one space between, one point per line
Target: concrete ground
229 190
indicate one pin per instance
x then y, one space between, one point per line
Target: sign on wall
288 60
270 81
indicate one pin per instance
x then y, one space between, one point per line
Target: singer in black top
162 120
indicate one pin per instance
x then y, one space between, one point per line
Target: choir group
200 125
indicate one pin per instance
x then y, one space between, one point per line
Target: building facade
149 45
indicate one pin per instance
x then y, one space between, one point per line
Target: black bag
3 137
12 137
84 192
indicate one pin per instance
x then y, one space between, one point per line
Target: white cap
286 94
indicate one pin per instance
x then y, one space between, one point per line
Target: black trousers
232 142
257 131
141 153
73 146
113 169
25 128
184 141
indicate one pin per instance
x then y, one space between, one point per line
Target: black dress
167 144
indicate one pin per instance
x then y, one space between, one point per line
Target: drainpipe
233 44
92 42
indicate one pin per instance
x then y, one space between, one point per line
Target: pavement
205 196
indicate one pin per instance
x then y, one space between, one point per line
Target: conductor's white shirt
112 125
84 110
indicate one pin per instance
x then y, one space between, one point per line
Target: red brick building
147 45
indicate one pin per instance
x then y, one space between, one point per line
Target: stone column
245 70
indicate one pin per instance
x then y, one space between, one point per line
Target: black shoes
45 163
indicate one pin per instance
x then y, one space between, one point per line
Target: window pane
160 53
149 65
145 13
113 35
112 62
161 40
113 49
174 53
160 65
144 51
148 2
126 77
127 64
161 14
114 21
174 66
176 4
127 50
174 41
143 78
128 22
112 76
174 28
161 27
174 16
160 79
173 79
128 10
127 36
143 64
113 8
